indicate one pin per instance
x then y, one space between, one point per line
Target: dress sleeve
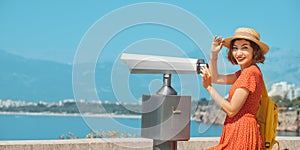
238 73
247 80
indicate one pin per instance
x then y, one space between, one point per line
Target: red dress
241 132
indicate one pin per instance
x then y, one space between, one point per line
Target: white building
284 89
297 92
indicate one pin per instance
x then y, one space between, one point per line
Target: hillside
39 80
34 80
282 65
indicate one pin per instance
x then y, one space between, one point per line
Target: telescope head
152 64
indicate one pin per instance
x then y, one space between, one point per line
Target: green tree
296 102
277 99
203 102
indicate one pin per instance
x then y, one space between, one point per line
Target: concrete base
290 143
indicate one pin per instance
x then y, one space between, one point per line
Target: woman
241 130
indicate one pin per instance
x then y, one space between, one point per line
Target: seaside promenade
286 143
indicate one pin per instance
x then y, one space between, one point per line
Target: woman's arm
233 107
216 77
219 78
238 99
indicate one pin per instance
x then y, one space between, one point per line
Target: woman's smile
243 53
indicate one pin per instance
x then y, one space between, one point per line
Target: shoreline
107 115
71 115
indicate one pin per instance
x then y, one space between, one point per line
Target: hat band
246 34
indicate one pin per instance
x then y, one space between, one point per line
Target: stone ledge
290 143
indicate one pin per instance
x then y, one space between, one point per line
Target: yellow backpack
267 117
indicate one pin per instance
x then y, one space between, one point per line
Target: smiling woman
246 46
241 130
242 53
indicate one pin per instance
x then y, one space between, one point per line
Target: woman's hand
216 45
206 77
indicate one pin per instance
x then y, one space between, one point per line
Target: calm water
26 127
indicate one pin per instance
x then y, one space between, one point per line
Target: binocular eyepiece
201 63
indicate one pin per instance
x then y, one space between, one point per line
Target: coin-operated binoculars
165 115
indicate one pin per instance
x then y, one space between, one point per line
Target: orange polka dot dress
241 132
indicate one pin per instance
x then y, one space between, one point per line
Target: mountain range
33 80
41 80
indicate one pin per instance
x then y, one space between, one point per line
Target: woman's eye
245 47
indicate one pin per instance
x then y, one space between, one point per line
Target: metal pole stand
166 89
166 117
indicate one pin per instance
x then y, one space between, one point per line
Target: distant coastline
107 115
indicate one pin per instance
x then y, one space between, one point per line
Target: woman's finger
202 70
207 71
202 75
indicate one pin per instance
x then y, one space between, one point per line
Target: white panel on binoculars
151 64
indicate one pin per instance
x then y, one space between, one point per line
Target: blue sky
52 29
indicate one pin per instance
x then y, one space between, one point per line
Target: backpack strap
276 142
265 95
264 91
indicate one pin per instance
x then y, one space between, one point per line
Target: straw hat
249 34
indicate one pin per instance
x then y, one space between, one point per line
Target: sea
48 127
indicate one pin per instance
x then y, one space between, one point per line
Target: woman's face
243 53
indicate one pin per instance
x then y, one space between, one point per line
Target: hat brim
264 47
